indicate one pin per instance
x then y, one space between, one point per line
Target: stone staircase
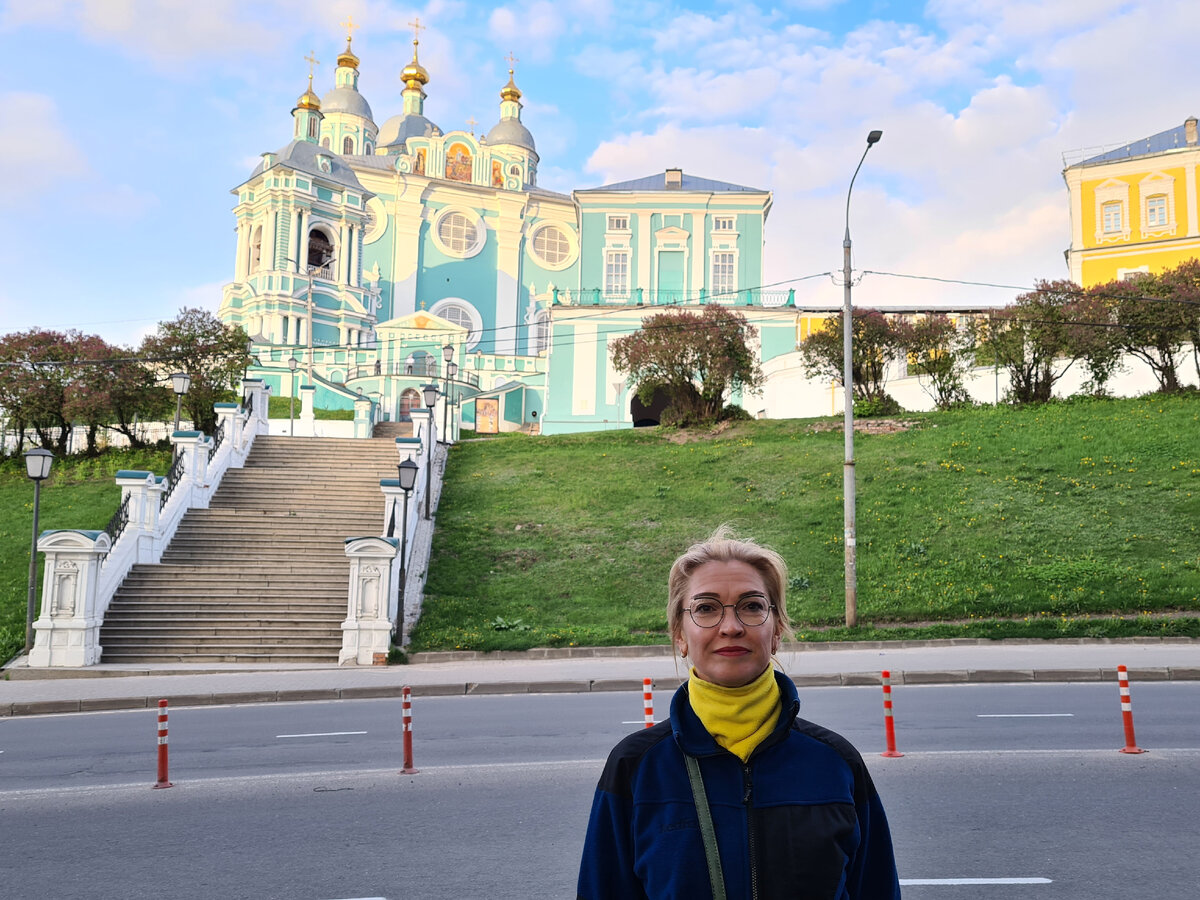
261 575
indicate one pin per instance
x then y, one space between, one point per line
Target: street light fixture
407 472
431 392
180 382
292 363
37 467
848 487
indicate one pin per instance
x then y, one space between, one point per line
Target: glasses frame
734 606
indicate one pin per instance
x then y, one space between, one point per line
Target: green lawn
1075 519
998 522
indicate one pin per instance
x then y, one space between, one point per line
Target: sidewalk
32 692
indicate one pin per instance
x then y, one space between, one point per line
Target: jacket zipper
747 796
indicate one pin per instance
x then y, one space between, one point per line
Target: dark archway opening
646 415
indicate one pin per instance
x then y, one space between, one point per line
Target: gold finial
471 123
510 91
346 58
414 74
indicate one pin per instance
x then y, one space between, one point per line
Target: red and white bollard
406 718
162 746
889 725
648 700
1127 712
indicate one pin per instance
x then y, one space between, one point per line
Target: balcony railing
639 297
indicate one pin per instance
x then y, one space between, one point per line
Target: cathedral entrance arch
409 400
645 415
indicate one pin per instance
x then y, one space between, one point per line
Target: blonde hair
724 546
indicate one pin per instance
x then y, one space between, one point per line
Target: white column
367 629
67 633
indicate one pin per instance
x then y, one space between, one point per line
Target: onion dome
510 91
309 100
347 58
414 75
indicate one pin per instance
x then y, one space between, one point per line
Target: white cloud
35 149
534 26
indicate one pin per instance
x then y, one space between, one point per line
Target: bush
878 406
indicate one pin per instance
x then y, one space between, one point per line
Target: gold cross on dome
512 61
312 61
350 26
471 123
417 28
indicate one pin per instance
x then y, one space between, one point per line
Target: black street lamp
431 392
407 473
37 467
447 355
292 363
451 371
851 539
180 382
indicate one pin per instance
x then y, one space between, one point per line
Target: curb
471 688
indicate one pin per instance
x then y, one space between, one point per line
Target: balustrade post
362 417
67 633
367 629
307 424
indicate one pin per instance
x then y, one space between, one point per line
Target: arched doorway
645 415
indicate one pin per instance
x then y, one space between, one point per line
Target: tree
34 376
875 344
939 353
211 352
697 359
1032 339
1096 337
1183 286
1152 326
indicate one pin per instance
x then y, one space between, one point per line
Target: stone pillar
142 491
67 633
409 448
259 394
362 417
367 630
194 447
307 425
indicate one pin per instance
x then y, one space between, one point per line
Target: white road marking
1025 716
320 734
955 881
636 722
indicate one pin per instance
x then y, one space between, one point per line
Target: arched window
320 250
539 335
347 145
256 249
312 132
420 363
462 314
368 148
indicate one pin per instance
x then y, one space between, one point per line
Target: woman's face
729 653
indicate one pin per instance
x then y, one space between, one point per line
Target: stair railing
88 567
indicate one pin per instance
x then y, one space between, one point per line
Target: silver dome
511 131
346 100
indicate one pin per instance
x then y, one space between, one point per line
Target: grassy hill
1075 519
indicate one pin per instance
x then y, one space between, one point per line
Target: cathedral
371 257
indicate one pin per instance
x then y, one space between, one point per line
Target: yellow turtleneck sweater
739 718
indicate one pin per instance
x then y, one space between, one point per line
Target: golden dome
414 74
510 91
309 100
347 57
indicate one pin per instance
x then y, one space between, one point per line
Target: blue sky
125 123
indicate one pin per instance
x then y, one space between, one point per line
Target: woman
774 806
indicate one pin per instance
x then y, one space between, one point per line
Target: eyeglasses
751 612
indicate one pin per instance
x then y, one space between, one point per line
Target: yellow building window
1156 211
1112 213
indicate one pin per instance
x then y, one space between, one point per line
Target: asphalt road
1017 785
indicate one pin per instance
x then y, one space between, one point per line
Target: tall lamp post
431 392
292 363
37 467
407 472
180 382
447 355
848 487
451 371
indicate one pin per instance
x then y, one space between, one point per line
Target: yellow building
1134 209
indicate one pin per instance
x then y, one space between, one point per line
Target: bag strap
707 831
